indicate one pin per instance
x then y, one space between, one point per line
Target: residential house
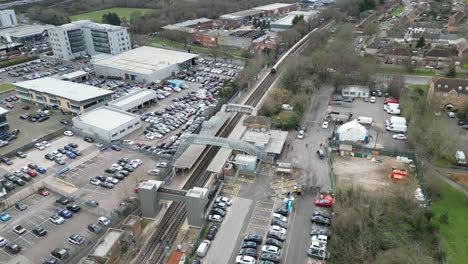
455 20
439 58
449 93
394 55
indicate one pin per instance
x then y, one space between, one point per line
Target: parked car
63 200
248 252
104 221
76 239
320 220
325 201
270 256
65 213
21 154
21 206
318 254
73 208
253 237
249 244
7 161
215 218
243 259
221 199
39 231
95 228
60 253
274 242
317 232
19 229
43 192
13 248
212 232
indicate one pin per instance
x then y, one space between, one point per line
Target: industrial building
25 33
107 123
276 8
191 25
287 21
145 64
81 38
134 101
67 96
271 141
236 19
3 121
8 18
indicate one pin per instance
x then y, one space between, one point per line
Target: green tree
452 72
297 19
463 111
111 18
421 42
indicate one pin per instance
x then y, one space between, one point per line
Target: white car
325 124
104 221
280 217
317 245
162 164
95 182
271 249
319 238
399 136
56 219
3 241
39 146
112 180
372 99
300 135
138 162
99 145
68 133
278 229
215 218
45 144
222 199
57 154
451 114
243 259
116 166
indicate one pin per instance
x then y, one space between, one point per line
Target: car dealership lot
39 209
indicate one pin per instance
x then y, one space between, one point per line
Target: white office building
107 123
81 38
8 18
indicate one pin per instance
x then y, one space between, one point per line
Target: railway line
165 234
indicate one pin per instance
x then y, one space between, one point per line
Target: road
17 3
302 153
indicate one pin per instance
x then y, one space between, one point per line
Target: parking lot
378 136
35 69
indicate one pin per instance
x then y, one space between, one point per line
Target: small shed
355 91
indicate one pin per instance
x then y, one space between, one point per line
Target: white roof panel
106 118
272 6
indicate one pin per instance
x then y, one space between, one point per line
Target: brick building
276 9
449 93
204 39
392 55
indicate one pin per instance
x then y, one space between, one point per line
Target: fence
20 195
362 151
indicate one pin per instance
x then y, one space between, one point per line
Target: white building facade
8 18
81 38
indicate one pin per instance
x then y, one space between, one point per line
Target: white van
364 120
397 128
203 248
391 105
286 107
399 123
394 111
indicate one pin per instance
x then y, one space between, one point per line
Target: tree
395 86
111 18
292 75
279 96
421 42
463 111
297 19
452 72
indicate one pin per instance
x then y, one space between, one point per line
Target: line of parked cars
21 177
70 150
319 235
119 171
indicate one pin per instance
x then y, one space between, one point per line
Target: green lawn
96 16
455 232
424 87
158 42
465 64
402 70
398 11
6 86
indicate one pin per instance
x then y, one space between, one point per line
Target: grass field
6 87
402 70
455 231
96 16
398 11
465 64
158 42
423 87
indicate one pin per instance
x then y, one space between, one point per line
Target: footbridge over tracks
245 109
225 143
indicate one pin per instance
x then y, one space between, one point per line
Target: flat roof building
145 64
8 18
287 21
109 247
67 96
81 38
135 100
276 8
191 25
79 75
107 123
23 33
3 121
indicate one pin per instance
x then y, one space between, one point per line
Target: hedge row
8 63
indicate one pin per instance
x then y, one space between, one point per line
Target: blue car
5 217
65 213
70 154
66 147
41 170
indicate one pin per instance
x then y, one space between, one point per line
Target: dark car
274 242
282 211
21 154
123 172
248 252
63 200
51 261
320 220
212 232
107 185
9 176
49 156
60 253
73 145
461 122
218 211
249 244
89 139
18 181
465 127
253 237
61 150
8 185
95 228
32 166
101 178
116 148
279 223
318 254
322 213
110 170
13 248
270 256
21 206
39 231
73 208
118 176
7 161
317 232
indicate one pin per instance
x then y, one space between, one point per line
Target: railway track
165 234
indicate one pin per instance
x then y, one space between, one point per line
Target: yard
402 70
423 87
451 211
6 87
398 11
96 16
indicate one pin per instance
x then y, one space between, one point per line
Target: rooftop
145 60
65 89
271 141
3 111
74 74
241 14
107 118
445 85
25 30
90 25
106 243
135 96
192 22
272 6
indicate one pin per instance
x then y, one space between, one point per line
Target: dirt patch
367 174
461 178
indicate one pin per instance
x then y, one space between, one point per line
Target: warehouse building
134 101
145 64
276 9
81 38
191 25
237 19
107 123
287 21
67 96
25 33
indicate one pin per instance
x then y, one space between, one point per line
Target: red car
43 192
32 173
325 201
391 101
135 190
